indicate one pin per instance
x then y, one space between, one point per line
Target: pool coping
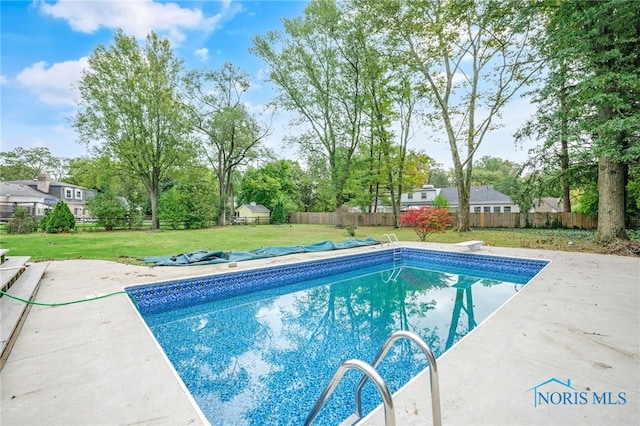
177 294
107 369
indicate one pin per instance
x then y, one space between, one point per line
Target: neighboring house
420 197
39 195
546 205
252 213
483 199
380 208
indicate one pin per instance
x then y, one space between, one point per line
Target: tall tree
231 135
559 161
391 95
317 68
276 181
27 164
474 56
603 38
130 107
504 175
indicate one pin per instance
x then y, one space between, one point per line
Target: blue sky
44 45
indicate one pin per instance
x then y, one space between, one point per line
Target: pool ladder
392 240
370 372
391 275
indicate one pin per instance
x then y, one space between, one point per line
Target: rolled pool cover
205 257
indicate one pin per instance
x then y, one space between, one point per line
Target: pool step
14 312
350 421
3 254
11 269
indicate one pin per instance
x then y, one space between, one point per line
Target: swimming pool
258 346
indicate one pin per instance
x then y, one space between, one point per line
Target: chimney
43 183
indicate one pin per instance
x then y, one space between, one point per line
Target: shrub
350 230
427 220
173 208
21 223
108 210
59 220
188 205
441 201
279 215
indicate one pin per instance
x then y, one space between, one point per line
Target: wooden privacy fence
478 220
333 218
533 220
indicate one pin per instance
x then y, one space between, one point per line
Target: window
507 209
423 195
486 209
476 209
410 196
78 194
68 193
496 209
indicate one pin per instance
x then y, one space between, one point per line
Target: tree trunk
564 179
464 193
222 205
464 223
564 146
155 222
611 192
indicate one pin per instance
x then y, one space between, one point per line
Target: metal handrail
391 239
433 372
371 373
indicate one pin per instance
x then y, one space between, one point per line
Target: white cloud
457 77
202 54
262 74
136 17
53 85
3 80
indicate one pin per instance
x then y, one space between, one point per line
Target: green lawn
131 246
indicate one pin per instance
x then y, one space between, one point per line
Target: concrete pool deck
578 320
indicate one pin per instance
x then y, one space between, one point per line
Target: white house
483 199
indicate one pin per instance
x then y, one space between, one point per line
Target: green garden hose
30 302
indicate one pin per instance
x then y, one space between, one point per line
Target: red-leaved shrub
427 220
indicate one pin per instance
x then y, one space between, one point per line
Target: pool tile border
158 297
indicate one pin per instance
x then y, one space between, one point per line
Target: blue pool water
257 347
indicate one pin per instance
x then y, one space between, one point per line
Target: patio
578 320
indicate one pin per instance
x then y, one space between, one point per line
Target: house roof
18 189
552 202
51 183
256 208
484 194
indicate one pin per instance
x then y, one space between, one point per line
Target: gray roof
484 194
51 183
19 189
552 202
256 208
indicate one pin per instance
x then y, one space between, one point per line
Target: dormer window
68 193
78 194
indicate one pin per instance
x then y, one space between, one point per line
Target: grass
132 246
